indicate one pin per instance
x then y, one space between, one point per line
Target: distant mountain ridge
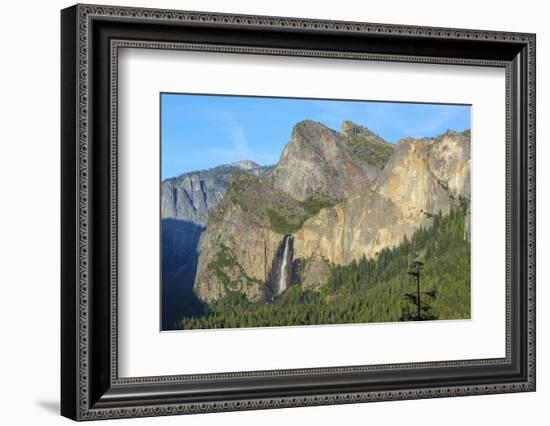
191 195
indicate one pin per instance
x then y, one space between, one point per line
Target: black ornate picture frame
90 38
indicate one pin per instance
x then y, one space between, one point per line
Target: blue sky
203 131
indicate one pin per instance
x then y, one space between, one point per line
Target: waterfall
282 272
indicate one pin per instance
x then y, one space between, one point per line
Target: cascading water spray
282 273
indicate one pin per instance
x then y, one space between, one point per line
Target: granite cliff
320 160
422 178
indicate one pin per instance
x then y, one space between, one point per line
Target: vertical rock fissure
175 200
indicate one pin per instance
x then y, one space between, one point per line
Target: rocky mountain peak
316 160
246 165
309 129
315 134
365 145
350 129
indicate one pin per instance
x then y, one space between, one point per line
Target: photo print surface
298 212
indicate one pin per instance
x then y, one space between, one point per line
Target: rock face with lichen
422 178
320 160
340 195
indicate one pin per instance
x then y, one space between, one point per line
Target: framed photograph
263 212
